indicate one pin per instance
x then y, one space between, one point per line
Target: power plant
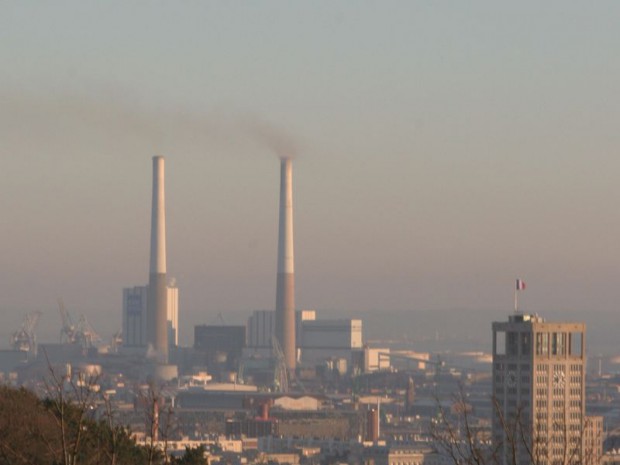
156 313
285 287
327 386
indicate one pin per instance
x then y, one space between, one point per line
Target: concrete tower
157 321
285 289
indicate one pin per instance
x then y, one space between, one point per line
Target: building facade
173 314
539 392
134 316
260 329
222 345
322 340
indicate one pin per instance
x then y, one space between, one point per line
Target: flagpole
516 300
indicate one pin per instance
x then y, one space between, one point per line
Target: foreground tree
458 435
51 431
192 456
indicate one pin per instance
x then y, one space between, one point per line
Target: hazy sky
443 149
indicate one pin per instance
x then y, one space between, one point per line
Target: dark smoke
127 120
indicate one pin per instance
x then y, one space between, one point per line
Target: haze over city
441 151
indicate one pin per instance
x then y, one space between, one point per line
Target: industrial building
403 455
261 327
222 345
328 339
317 340
172 312
134 315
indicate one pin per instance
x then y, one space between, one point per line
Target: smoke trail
275 139
66 119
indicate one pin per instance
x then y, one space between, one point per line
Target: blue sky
444 148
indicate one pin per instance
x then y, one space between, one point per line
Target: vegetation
192 456
465 441
61 432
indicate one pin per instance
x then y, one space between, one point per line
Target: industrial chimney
157 321
285 288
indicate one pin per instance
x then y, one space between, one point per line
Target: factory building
134 315
317 340
222 345
329 339
302 316
331 334
261 327
172 313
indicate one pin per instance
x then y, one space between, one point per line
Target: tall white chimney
157 321
285 287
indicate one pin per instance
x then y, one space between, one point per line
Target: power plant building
172 313
331 334
322 340
318 340
260 329
222 345
134 315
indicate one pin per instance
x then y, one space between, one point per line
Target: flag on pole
520 285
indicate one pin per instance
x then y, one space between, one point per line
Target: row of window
554 343
573 367
524 367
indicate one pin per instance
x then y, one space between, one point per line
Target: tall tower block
285 288
539 393
157 320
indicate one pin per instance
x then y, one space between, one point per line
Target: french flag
520 285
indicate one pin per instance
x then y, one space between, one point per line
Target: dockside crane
280 374
76 333
85 334
67 331
25 339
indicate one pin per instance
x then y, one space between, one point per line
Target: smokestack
285 290
156 311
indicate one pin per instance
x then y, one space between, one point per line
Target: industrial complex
294 386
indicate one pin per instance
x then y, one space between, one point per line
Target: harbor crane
81 333
280 375
25 339
67 331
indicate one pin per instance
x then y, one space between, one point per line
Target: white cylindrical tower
157 321
285 287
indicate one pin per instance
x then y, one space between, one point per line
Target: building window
576 344
512 343
558 343
500 343
526 344
542 343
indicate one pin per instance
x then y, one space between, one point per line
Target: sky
442 149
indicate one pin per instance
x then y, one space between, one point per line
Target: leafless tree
158 421
69 399
456 434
